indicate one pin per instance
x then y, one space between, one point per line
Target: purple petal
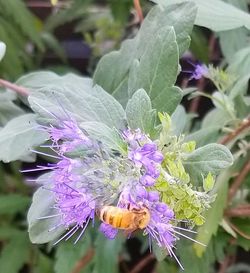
108 231
147 180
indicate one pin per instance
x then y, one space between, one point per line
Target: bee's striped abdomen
116 217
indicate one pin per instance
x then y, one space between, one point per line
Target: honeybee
126 219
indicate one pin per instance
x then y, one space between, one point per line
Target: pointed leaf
119 63
156 71
85 103
210 158
68 254
215 14
140 113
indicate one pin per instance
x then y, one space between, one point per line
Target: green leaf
18 136
239 64
225 225
215 14
166 267
8 110
216 118
179 120
215 214
204 136
190 261
139 112
108 136
84 103
107 253
243 225
208 182
159 252
240 87
210 158
223 102
242 106
40 229
156 71
11 64
13 203
199 45
44 264
120 10
36 80
119 63
68 254
7 95
18 13
2 50
232 41
8 232
77 9
14 254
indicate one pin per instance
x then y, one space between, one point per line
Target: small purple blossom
144 154
200 70
108 231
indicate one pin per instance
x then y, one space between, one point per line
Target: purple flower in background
199 70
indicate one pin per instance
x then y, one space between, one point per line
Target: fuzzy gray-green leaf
140 113
120 64
210 158
84 103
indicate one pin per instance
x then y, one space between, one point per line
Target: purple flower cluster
74 202
78 183
67 137
84 184
144 154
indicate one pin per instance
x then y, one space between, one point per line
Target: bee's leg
128 232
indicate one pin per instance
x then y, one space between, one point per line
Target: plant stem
138 9
138 267
83 261
18 89
239 231
225 264
240 211
244 125
238 180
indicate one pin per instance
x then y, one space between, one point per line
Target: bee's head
144 218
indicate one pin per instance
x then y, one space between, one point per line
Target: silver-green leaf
215 14
140 113
210 158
